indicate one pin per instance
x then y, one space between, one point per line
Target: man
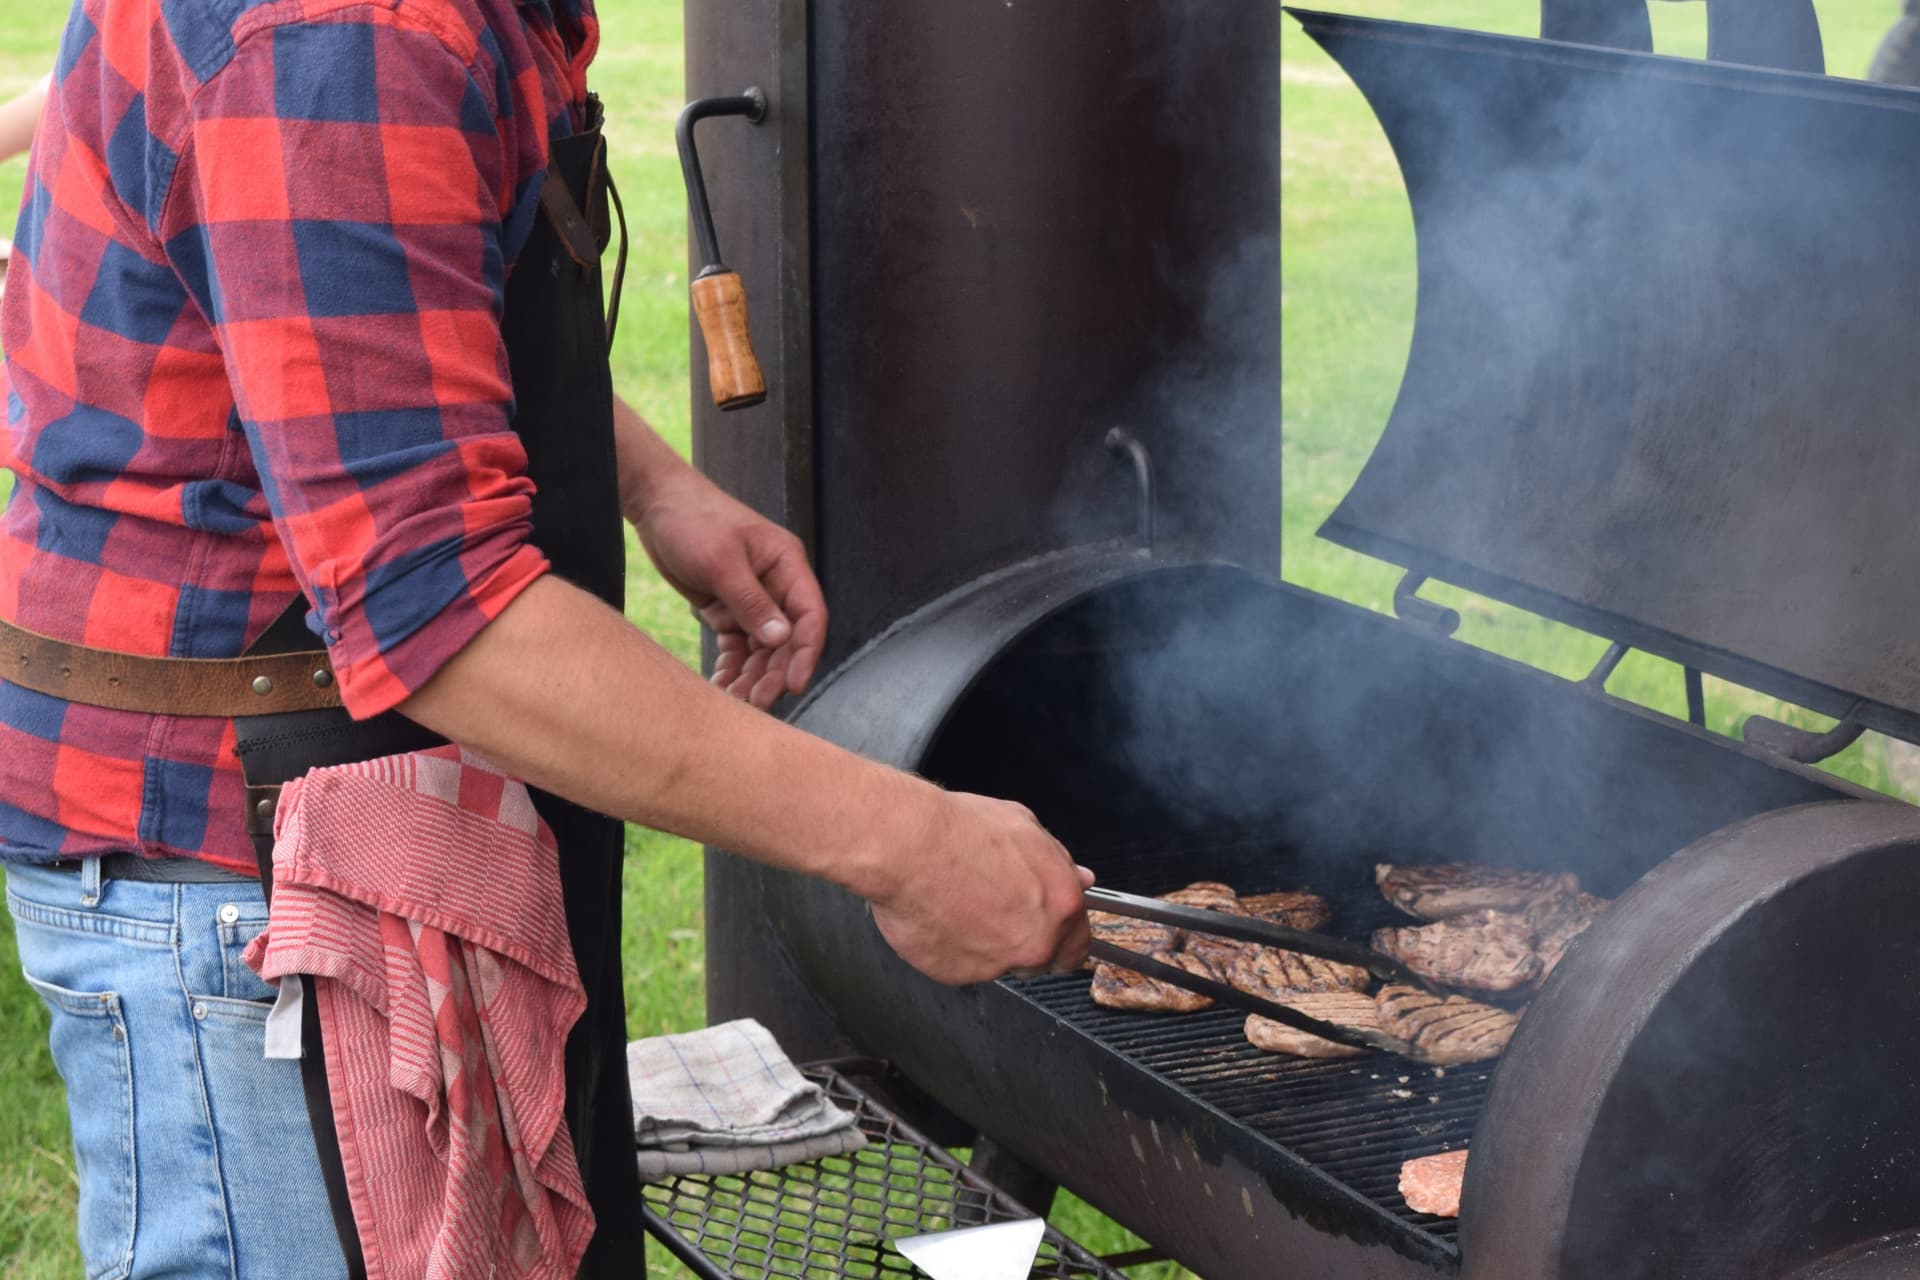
297 315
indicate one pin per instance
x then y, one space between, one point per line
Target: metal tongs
1266 933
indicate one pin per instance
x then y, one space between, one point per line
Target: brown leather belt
224 687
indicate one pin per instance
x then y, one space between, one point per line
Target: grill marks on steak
1558 920
1143 936
1293 908
1431 1184
1444 890
1480 947
1276 974
1446 1032
1343 1008
1490 951
1117 988
1260 970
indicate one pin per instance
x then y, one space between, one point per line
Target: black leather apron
556 335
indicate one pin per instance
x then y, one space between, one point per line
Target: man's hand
745 576
989 893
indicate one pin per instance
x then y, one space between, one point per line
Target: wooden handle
720 300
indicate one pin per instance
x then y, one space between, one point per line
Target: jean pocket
89 1042
239 926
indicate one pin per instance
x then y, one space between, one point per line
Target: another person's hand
988 893
746 577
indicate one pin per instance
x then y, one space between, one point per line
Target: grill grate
1356 1119
832 1218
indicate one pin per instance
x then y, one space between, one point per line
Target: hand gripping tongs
1265 933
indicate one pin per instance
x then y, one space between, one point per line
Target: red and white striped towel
422 891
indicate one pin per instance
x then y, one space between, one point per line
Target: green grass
1346 315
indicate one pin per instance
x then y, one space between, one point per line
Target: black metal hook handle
719 296
753 105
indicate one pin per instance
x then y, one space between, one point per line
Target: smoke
1649 293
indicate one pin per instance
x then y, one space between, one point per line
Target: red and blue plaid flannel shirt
253 349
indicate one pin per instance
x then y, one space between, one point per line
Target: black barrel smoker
1012 270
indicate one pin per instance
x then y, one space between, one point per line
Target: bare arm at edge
19 116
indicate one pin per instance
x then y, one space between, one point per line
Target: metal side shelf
838 1216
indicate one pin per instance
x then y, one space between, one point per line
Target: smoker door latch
1804 745
1125 444
719 297
1409 607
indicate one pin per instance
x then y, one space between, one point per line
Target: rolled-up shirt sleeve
337 213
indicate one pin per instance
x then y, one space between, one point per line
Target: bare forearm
644 459
18 117
565 693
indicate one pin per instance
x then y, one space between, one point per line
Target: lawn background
1348 275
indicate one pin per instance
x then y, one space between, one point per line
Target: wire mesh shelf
838 1216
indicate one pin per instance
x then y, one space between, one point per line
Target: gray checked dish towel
725 1099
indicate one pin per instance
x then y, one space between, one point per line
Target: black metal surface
1659 376
753 105
1031 223
838 1217
1719 1082
1039 686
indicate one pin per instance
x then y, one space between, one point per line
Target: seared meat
1489 951
1296 908
1278 975
1261 970
1344 1008
1208 894
1558 920
1118 988
1143 936
1431 1184
1445 890
1447 1032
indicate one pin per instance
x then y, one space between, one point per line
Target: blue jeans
195 1156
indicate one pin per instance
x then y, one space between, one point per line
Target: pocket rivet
119 1032
199 1011
229 913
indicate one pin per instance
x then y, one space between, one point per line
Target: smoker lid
1663 380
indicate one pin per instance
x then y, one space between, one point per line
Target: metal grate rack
836 1217
1354 1119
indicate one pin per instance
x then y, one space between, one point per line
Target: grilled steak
1345 1008
1431 1184
1278 975
1447 1032
1143 936
1117 988
1296 908
1490 951
1261 970
1557 921
1208 894
1445 890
